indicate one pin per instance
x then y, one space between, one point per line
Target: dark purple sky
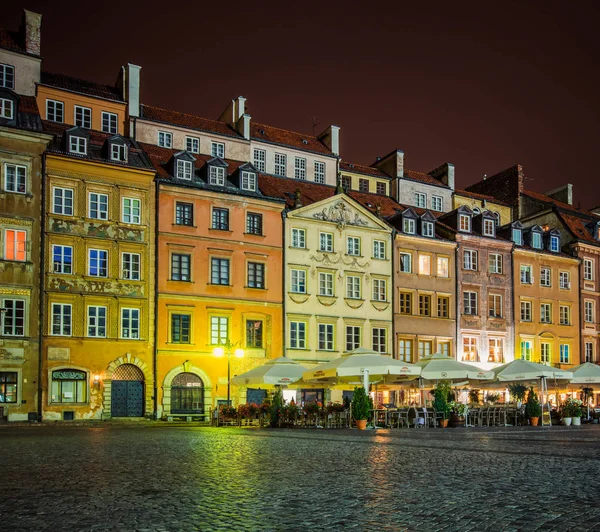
482 86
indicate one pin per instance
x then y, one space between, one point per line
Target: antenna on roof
315 123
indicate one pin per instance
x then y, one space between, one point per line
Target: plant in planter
474 396
492 398
276 410
361 406
571 411
228 412
533 409
441 394
517 393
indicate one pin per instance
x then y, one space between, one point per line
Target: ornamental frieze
95 230
331 259
341 215
96 287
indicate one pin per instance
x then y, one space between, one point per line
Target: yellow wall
504 211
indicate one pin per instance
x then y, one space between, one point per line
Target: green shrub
532 406
360 404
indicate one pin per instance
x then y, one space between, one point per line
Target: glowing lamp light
218 351
239 353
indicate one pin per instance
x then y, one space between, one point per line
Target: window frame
220 215
19 173
133 218
464 227
181 332
192 144
5 70
421 200
470 260
99 196
260 162
379 339
298 285
495 263
379 292
184 170
280 161
248 181
300 168
77 145
216 175
17 313
19 245
165 139
526 311
220 271
325 336
62 262
254 223
326 284
86 121
545 276
353 287
298 237
182 215
403 264
102 257
435 201
62 325
178 263
320 172
217 149
133 333
109 122
297 334
327 239
134 274
470 303
98 320
63 198
58 108
379 249
588 269
256 274
353 246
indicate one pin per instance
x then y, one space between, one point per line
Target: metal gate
127 392
255 396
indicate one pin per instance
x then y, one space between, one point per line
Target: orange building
219 264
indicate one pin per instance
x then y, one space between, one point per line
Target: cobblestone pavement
163 477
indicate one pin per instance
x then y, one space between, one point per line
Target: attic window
77 145
554 244
304 141
6 109
427 229
249 181
464 223
536 240
489 227
118 152
184 170
408 225
217 175
516 236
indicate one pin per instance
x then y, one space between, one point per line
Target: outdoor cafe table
382 414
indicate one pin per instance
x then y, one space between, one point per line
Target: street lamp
228 349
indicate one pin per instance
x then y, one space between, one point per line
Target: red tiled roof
291 139
474 195
175 118
506 185
548 199
81 86
578 226
424 178
28 104
11 40
362 169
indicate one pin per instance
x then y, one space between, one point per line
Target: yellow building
98 331
479 203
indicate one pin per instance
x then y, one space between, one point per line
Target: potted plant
571 412
459 413
474 396
533 409
441 394
492 398
517 392
276 411
360 407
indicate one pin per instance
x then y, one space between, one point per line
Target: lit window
298 238
15 245
217 149
77 145
55 111
424 264
260 158
300 168
15 178
254 333
83 117
192 144
319 172
130 323
98 206
470 349
109 122
217 175
443 268
526 349
131 266
219 330
131 210
7 76
496 351
184 169
280 164
6 109
69 386
464 223
98 263
165 140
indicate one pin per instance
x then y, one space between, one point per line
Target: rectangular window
496 351
353 287
326 242
319 172
217 149
15 178
254 223
545 276
192 144
443 307
55 111
109 123
424 305
424 265
98 263
379 290
180 328
7 76
379 249
118 152
165 139
15 245
526 311
217 175
589 311
405 350
406 262
470 303
353 245
408 226
8 387
248 181
379 339
83 117
256 275
588 269
132 209
184 170
184 213
526 277
565 355
381 188
545 353
536 240
352 338
180 267
98 206
554 244
130 323
131 266
495 305
495 263
254 333
443 267
437 203
220 219
346 182
62 201
470 349
470 259
6 109
526 349
464 223
405 303
219 271
444 348
13 317
565 315
297 335
219 330
545 313
280 164
325 284
69 386
298 238
77 145
427 229
489 227
61 319
564 280
300 168
62 259
298 281
421 200
425 348
96 324
325 337
517 236
363 185
589 352
260 159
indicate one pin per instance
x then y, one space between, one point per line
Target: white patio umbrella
586 374
359 363
276 372
442 367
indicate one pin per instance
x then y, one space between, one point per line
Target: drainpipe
514 303
393 253
41 298
155 350
457 296
283 278
581 313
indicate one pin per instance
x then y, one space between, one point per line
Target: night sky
482 86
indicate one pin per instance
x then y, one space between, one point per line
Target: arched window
187 394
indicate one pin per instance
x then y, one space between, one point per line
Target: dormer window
249 181
118 152
464 223
536 240
77 145
517 236
184 170
489 227
554 243
7 76
408 226
427 229
7 109
217 175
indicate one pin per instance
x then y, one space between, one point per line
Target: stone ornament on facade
341 215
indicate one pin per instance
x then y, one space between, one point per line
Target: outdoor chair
437 417
474 417
401 418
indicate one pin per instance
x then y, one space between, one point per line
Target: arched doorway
187 394
127 392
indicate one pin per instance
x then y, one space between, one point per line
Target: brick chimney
563 193
31 29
